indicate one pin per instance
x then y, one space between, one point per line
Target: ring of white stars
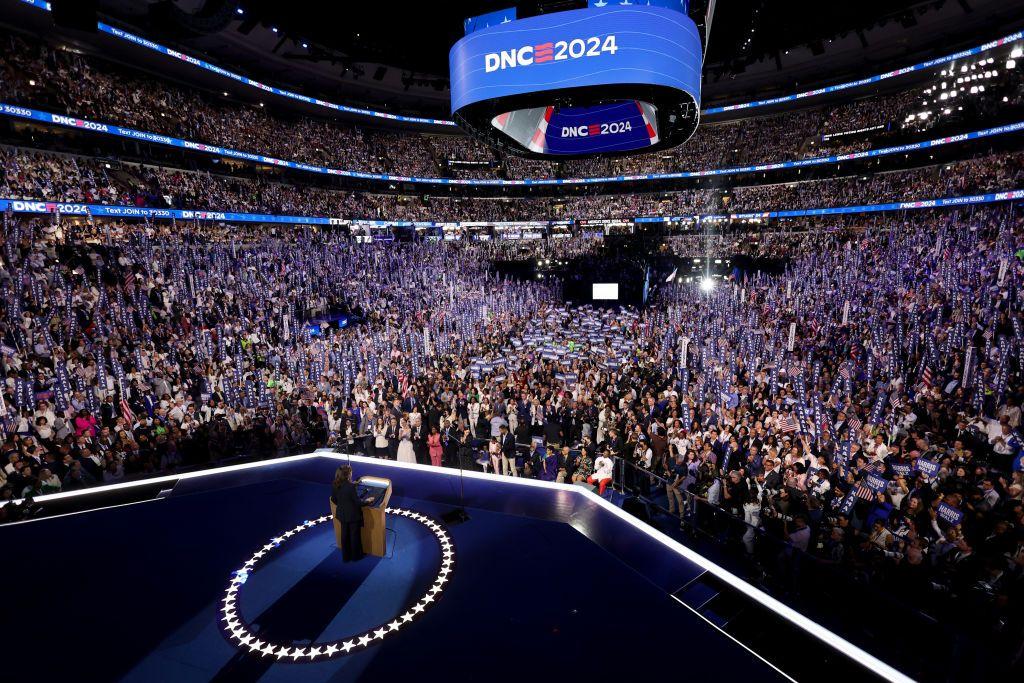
238 631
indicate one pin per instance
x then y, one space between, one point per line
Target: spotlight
707 284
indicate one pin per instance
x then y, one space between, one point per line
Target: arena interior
475 340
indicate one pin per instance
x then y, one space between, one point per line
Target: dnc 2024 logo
556 51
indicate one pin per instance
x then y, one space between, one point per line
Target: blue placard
950 514
875 482
928 467
635 44
902 469
846 507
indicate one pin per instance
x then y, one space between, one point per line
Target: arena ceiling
416 35
395 54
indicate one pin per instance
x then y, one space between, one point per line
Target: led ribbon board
606 79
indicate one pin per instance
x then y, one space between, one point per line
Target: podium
373 533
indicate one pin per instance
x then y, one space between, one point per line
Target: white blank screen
608 291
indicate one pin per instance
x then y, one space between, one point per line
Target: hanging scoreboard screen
610 78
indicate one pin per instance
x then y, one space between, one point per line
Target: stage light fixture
707 284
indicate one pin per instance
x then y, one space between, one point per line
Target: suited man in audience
508 452
348 511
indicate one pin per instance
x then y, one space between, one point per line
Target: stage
539 582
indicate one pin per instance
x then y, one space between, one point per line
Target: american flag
895 400
787 424
126 411
855 423
863 491
926 377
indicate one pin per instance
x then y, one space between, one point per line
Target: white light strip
241 635
840 644
167 478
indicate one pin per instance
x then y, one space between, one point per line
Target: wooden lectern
374 532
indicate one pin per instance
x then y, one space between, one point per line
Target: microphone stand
459 514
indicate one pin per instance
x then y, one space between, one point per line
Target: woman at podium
349 512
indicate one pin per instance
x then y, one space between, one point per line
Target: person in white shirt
602 475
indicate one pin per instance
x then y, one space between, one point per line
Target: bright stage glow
606 291
238 631
707 284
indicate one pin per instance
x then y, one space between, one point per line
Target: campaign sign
846 507
950 514
875 482
902 469
928 467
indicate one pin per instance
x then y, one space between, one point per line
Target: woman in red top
434 444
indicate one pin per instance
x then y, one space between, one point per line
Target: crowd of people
36 74
880 432
37 175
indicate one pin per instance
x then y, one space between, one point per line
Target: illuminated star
281 652
268 649
330 650
298 652
407 617
245 639
428 598
394 625
365 640
313 652
348 645
379 633
419 607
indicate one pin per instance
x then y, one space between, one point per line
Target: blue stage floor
133 592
